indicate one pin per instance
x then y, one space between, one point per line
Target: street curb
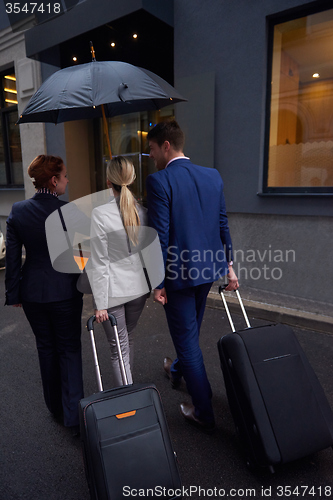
275 314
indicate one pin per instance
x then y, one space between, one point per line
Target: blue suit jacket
186 207
36 280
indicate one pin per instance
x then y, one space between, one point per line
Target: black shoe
188 412
58 417
75 429
167 368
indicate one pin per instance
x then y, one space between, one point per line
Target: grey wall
199 143
230 39
289 255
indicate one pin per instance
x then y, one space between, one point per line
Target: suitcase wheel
250 466
254 468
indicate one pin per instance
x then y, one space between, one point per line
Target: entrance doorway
128 137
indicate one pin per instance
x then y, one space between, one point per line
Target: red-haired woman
50 299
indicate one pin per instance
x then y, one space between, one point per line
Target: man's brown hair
167 131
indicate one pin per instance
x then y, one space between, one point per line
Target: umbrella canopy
78 92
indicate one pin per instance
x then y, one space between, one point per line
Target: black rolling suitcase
278 405
125 439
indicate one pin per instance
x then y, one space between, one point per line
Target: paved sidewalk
278 308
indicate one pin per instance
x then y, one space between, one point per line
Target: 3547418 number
301 491
31 8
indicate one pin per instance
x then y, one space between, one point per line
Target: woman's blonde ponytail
121 173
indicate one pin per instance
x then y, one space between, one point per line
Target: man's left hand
160 296
232 279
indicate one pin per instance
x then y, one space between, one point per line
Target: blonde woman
117 278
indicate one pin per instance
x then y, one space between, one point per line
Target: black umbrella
77 92
98 89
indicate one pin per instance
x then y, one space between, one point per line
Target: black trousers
57 328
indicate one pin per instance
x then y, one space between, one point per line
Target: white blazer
116 272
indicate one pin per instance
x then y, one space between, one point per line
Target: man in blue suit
186 206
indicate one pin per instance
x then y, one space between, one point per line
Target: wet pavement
40 460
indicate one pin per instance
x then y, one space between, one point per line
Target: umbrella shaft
106 131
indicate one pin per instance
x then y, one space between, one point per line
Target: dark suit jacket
186 207
36 280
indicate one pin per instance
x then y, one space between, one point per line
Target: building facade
258 78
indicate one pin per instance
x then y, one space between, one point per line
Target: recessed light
135 35
315 75
74 58
112 44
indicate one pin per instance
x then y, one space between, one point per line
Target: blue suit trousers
184 311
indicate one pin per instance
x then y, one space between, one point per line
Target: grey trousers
127 316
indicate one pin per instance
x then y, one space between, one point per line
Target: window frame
4 117
289 15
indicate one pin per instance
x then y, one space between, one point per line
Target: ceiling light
74 58
135 35
113 44
315 75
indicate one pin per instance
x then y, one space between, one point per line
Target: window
299 139
128 137
11 172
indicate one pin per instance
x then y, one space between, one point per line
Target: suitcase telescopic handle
221 289
90 327
91 320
